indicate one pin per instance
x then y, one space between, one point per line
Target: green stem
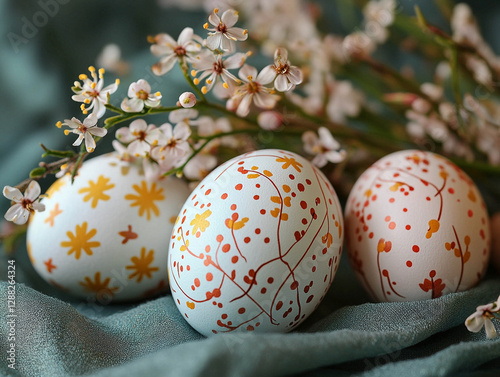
455 85
185 69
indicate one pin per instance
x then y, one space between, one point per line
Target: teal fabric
57 336
345 336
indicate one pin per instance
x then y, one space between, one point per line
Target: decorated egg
256 245
416 228
495 240
106 235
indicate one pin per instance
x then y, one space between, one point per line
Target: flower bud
270 120
187 99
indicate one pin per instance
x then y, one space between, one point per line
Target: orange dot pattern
270 249
416 228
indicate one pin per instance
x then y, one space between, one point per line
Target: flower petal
235 61
164 65
89 142
295 75
214 41
229 17
282 85
267 75
489 327
327 139
17 214
227 44
474 322
185 36
132 105
237 33
98 131
12 193
182 131
247 71
37 206
265 100
32 191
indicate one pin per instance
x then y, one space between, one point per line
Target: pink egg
256 245
495 240
416 228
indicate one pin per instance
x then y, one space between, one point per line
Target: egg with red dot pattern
416 228
256 245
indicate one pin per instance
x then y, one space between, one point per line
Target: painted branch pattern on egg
256 246
416 228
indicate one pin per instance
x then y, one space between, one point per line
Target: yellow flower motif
52 215
200 221
81 241
289 161
95 191
141 265
146 198
100 288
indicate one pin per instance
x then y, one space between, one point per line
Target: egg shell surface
256 246
106 235
416 228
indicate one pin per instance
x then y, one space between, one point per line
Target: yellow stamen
225 85
101 73
158 94
193 73
86 100
93 85
250 78
83 76
204 90
82 107
209 81
90 150
205 25
67 132
236 13
151 39
245 32
117 81
84 111
216 10
59 124
196 81
92 68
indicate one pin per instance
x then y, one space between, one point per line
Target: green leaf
38 172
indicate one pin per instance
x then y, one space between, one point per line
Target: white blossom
223 34
482 317
325 147
86 130
176 146
285 76
184 49
140 137
252 90
93 93
24 205
215 70
139 96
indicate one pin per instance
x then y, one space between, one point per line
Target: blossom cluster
321 94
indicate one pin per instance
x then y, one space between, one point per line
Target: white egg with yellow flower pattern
106 234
